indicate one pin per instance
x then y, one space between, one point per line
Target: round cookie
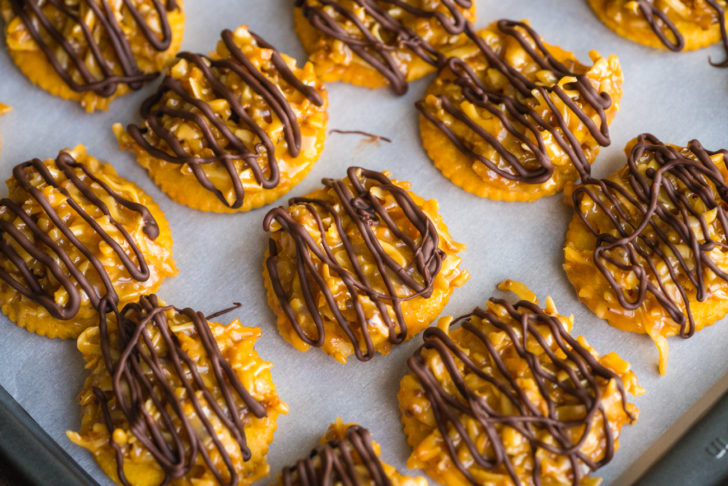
72 233
132 42
203 413
358 266
347 455
505 395
675 25
645 249
231 131
512 118
375 43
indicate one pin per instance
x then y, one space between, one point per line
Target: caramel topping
666 213
355 217
199 113
376 50
46 251
669 34
521 120
149 368
338 461
536 347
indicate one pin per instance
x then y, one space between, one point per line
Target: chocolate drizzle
520 120
656 221
575 380
367 212
372 137
45 251
200 114
668 33
376 50
41 28
145 384
336 463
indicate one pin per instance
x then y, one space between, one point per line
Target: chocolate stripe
41 27
200 114
44 250
575 380
142 376
520 120
367 213
374 51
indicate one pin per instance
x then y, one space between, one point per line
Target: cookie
72 233
358 266
174 398
347 455
675 25
89 51
231 131
506 395
512 118
379 43
646 247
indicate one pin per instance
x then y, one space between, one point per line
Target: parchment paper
675 96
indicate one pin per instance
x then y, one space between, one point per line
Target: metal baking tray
675 96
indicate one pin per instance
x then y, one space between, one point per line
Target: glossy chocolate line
141 376
527 123
367 212
371 136
235 306
652 211
378 53
664 28
334 463
154 109
44 250
40 26
660 23
581 385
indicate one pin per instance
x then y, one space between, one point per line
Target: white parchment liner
675 96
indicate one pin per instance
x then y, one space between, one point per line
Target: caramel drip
653 213
528 122
45 251
336 463
201 115
668 33
574 380
41 28
376 51
366 211
149 400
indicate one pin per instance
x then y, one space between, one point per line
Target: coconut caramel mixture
513 118
505 395
647 247
347 455
378 43
667 24
175 399
233 130
72 232
358 266
91 50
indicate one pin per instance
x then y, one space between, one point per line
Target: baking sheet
675 96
